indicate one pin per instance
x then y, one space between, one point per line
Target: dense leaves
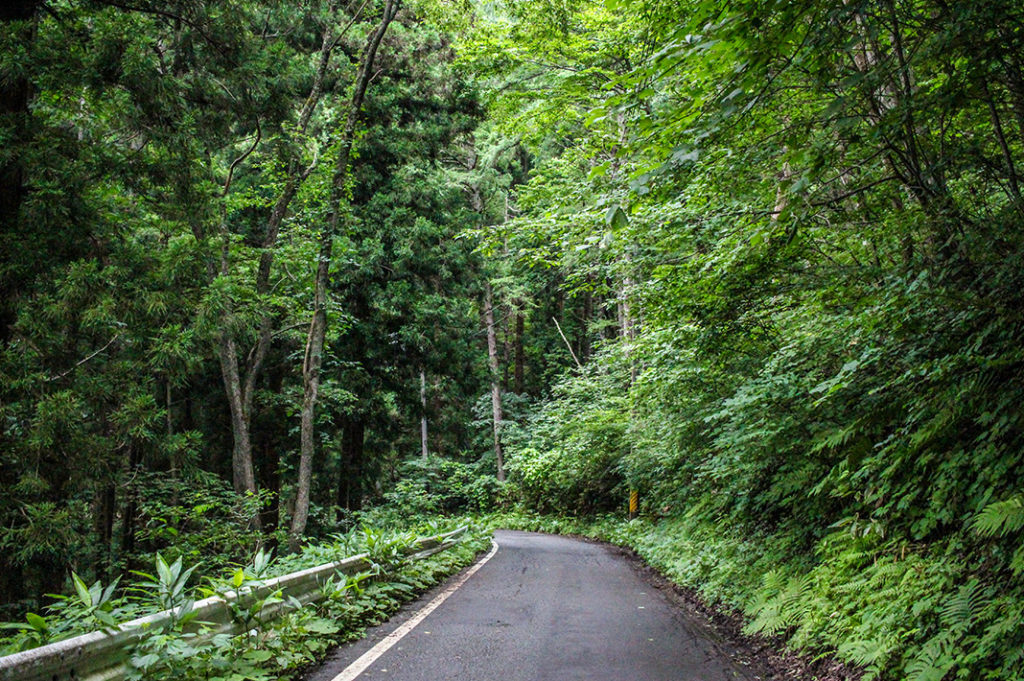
167 174
806 218
759 260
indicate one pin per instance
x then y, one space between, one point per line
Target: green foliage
196 517
890 608
1001 517
167 589
570 457
90 608
427 487
760 262
803 224
269 648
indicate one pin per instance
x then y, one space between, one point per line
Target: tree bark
520 358
313 358
242 472
424 451
492 362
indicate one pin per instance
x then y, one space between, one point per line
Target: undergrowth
275 648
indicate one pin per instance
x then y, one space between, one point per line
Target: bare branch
83 361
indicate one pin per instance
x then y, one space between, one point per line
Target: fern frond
780 604
933 661
863 652
1000 518
963 610
1017 563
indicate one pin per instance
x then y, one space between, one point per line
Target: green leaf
1000 518
616 217
82 590
163 571
257 655
37 622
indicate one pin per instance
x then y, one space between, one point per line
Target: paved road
548 608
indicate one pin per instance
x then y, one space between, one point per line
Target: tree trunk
424 451
313 358
519 352
242 472
627 328
492 361
240 382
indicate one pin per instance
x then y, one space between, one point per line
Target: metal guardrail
102 655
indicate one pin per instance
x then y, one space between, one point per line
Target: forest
273 271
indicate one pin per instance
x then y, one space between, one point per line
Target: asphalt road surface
545 608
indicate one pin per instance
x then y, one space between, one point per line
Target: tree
318 327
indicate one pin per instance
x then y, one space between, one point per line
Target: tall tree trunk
492 362
313 358
240 379
424 451
520 358
242 473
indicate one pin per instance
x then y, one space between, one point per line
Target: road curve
547 608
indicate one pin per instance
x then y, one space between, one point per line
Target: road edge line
370 656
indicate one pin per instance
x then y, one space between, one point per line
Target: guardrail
102 655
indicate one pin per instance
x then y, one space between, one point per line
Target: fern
1000 518
933 661
867 653
780 604
963 610
1017 563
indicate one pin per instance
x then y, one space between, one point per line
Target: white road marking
371 655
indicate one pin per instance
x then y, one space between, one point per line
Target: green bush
573 457
437 485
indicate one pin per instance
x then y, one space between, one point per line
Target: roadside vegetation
274 272
272 647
